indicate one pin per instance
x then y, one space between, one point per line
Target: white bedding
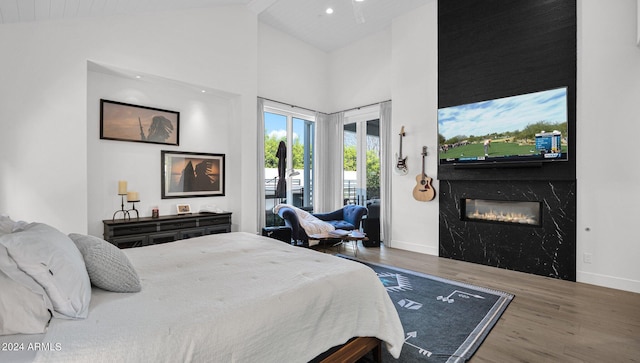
233 297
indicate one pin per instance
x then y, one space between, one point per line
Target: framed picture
188 174
183 208
126 122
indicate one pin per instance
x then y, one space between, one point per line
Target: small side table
353 237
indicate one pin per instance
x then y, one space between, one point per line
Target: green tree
271 144
350 158
270 149
373 174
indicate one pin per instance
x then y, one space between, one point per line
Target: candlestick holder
125 213
133 208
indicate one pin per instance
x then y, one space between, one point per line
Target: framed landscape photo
127 122
189 174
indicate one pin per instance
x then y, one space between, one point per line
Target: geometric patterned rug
443 320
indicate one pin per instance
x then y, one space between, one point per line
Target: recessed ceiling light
329 11
204 91
138 77
359 1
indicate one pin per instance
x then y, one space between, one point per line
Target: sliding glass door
290 136
361 161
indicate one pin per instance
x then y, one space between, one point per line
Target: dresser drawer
190 233
213 221
218 229
171 226
129 229
131 241
158 238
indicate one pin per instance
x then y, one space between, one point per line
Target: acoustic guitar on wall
401 164
423 191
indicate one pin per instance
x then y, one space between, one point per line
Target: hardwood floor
549 320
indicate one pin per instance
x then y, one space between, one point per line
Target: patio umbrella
281 154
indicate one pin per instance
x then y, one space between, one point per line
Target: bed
233 297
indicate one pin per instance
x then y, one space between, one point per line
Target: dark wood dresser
148 231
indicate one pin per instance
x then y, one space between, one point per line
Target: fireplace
522 225
501 211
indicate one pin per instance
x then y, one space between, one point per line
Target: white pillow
25 307
108 267
53 260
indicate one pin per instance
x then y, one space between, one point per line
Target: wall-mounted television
525 128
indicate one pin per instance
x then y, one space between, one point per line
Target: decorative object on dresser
183 208
133 198
126 122
189 174
122 191
148 230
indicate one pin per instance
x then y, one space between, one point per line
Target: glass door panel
350 164
373 160
361 162
275 130
298 136
302 163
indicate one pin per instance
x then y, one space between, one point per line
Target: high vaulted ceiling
304 19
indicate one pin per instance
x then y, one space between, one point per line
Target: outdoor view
359 187
299 170
360 184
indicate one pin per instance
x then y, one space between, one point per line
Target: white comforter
234 297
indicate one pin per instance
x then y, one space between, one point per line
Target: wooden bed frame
353 350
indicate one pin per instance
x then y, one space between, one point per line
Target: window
297 132
361 158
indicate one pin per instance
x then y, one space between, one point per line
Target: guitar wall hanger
401 163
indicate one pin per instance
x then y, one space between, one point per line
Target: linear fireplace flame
501 211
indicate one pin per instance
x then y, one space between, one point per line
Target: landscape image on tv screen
528 127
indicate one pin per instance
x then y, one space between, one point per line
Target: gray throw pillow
108 267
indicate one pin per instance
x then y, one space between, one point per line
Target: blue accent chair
348 218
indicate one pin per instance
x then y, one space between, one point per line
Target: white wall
206 124
43 100
415 93
291 71
360 74
607 129
399 63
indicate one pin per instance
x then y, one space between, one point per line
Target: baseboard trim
413 247
608 281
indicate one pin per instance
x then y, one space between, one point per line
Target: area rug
443 320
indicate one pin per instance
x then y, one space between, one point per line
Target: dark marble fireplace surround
547 250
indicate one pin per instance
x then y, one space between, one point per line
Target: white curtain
260 164
329 165
386 165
